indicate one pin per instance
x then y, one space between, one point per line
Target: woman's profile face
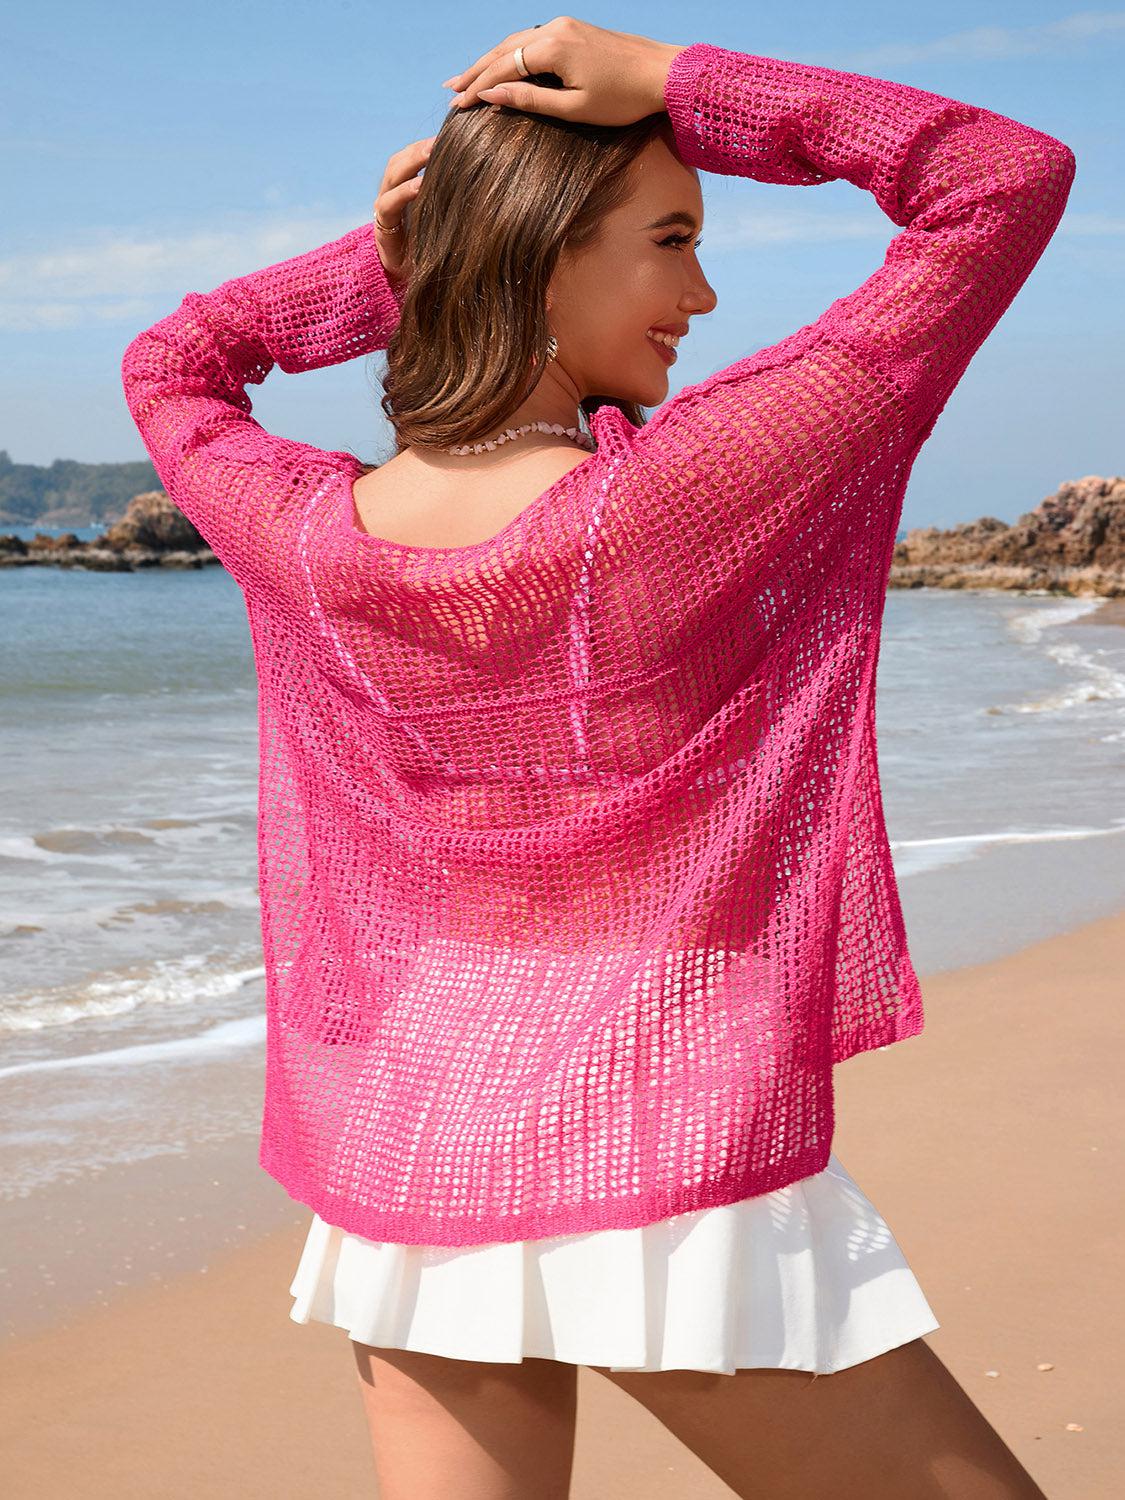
641 273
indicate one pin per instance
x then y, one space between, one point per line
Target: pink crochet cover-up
573 870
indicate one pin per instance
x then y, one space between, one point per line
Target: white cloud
987 43
27 317
118 277
1091 225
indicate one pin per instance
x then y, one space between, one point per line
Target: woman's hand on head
397 190
609 77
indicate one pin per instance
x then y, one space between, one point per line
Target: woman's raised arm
762 443
185 378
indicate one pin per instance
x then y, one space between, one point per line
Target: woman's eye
678 241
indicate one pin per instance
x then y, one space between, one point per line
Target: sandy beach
990 1143
1109 612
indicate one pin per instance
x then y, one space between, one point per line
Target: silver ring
520 68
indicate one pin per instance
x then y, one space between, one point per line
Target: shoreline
996 1179
1110 612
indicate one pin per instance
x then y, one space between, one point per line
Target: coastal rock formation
151 534
151 520
1073 542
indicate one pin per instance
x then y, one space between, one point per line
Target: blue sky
149 150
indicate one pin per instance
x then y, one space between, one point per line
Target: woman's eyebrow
679 216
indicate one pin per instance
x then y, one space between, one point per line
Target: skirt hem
900 1337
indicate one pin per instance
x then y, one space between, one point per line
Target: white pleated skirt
807 1277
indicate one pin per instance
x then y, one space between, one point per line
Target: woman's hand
610 77
397 190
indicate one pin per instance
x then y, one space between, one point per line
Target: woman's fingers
496 55
402 173
389 205
498 65
405 163
400 185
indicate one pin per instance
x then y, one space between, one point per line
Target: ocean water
132 962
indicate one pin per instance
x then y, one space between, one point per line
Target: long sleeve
765 444
185 382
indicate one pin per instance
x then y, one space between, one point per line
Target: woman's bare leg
896 1427
470 1428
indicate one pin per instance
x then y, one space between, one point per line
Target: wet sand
990 1143
1109 612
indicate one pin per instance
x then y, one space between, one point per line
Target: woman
575 884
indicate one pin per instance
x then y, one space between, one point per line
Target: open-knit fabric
574 876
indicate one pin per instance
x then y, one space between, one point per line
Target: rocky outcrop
151 534
1071 543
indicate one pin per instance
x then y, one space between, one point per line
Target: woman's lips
665 350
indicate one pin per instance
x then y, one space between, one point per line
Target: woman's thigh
471 1428
896 1427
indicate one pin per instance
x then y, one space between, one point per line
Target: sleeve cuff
386 295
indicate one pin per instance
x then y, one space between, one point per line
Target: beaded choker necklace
582 438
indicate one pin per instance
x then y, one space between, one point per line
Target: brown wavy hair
503 193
